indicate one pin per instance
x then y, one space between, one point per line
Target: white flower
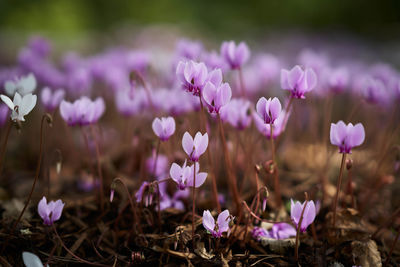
24 85
20 106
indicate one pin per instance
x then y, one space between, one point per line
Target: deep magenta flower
218 227
50 212
216 96
164 127
278 231
347 136
269 110
184 176
235 56
192 75
298 81
308 216
51 99
194 148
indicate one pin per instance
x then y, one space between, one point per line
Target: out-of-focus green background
374 19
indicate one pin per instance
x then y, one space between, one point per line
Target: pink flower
192 75
194 148
308 216
50 212
269 110
164 127
51 99
184 176
298 81
234 55
218 227
346 136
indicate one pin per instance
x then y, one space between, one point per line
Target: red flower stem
193 201
46 117
131 202
258 218
277 186
241 81
350 188
156 159
228 163
339 183
392 248
296 247
4 146
146 88
99 171
209 160
73 254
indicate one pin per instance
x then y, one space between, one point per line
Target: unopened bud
264 204
349 164
112 195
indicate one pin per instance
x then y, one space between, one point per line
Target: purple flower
83 111
39 46
234 55
51 100
346 136
218 227
50 212
79 80
189 49
279 125
164 127
161 165
298 81
216 96
374 90
214 61
192 75
278 231
237 113
183 176
194 148
269 110
4 113
338 79
308 216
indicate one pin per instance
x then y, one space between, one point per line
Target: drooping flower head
164 127
192 75
50 212
184 176
51 99
308 216
298 81
346 136
20 105
23 85
194 148
235 56
216 228
269 110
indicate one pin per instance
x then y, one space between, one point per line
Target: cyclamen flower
161 165
298 81
194 148
50 212
184 176
218 227
346 136
20 106
235 56
192 75
189 49
308 216
237 113
51 100
216 96
374 91
269 109
278 231
83 111
338 79
164 127
279 125
23 86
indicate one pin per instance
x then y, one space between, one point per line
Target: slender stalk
339 183
147 89
99 171
4 146
46 117
241 81
350 188
156 159
296 247
392 248
72 253
133 207
228 163
194 202
209 160
277 187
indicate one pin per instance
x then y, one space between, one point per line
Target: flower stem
228 163
100 173
241 81
46 117
296 247
156 159
194 202
3 147
339 183
277 187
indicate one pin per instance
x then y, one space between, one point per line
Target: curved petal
42 208
357 135
208 221
157 127
7 101
294 76
187 143
223 221
57 210
175 172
